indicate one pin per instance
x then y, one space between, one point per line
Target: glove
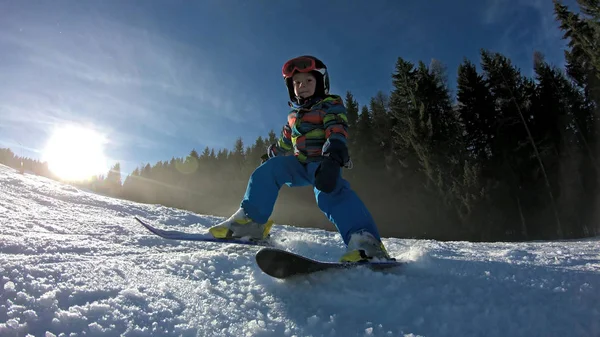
271 152
327 175
336 150
335 155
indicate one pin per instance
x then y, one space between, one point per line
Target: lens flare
75 153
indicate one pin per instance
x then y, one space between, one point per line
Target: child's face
304 84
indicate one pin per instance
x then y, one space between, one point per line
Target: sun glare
75 153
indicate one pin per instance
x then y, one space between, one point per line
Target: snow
73 263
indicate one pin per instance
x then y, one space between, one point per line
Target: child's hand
264 158
327 175
271 152
336 150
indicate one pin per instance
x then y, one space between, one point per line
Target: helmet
306 64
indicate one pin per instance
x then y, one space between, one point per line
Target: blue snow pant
342 206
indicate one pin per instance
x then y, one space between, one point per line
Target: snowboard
283 264
205 237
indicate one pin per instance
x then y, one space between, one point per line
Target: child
316 131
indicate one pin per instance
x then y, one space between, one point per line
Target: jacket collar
306 103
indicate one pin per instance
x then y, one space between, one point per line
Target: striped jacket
310 125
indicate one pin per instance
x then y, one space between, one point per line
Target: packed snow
73 263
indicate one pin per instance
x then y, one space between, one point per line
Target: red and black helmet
306 64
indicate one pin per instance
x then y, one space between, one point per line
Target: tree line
508 157
23 164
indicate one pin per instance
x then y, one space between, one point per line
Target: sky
160 78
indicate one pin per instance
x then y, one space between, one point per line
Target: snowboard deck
283 264
205 237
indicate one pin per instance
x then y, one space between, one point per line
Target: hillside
73 263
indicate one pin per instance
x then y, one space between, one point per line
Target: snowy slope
75 264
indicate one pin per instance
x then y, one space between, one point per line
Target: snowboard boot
239 225
363 246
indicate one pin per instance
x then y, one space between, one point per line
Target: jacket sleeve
335 120
283 144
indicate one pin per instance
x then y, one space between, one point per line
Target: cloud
495 10
132 83
527 26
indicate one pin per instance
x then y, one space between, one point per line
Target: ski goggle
301 64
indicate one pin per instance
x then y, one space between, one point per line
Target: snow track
73 263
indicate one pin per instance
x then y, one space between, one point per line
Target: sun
75 153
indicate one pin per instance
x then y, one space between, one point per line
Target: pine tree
582 32
146 171
477 111
515 152
253 156
272 138
237 156
583 36
380 121
365 147
190 165
113 180
352 114
428 132
7 157
583 56
351 110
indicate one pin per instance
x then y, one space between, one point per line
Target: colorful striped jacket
310 125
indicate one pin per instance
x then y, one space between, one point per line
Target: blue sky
159 78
